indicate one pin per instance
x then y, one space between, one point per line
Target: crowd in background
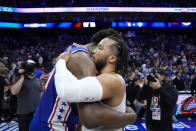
100 3
171 51
174 53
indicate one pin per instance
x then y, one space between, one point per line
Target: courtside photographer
28 90
161 98
2 86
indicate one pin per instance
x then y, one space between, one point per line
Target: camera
28 67
151 78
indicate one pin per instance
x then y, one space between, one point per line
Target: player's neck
108 69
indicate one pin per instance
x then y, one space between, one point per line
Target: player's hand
64 55
129 110
132 115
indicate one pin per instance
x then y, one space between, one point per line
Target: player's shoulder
80 64
113 79
81 56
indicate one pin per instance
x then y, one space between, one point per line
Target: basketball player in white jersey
110 57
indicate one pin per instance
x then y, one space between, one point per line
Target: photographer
2 85
161 99
28 91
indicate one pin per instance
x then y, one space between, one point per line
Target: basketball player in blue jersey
56 113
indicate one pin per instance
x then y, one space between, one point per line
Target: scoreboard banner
98 9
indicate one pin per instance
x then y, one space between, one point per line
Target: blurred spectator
132 91
178 82
193 86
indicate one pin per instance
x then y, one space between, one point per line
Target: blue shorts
37 126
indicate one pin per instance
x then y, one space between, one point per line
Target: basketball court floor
183 124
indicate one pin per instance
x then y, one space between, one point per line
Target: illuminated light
10 25
133 24
34 25
169 24
38 25
140 24
8 9
86 24
65 24
96 9
158 24
78 24
122 24
92 24
114 24
186 23
129 24
174 23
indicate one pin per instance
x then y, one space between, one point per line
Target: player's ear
113 59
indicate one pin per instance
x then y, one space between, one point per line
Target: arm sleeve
71 89
170 94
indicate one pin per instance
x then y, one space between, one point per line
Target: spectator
179 82
193 86
28 91
161 99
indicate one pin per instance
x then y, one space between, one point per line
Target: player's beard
100 64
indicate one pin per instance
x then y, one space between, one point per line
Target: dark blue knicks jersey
54 112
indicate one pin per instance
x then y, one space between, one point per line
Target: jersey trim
49 80
53 112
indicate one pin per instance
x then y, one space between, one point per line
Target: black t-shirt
193 83
179 84
132 92
2 85
167 96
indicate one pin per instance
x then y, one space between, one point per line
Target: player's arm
88 89
93 114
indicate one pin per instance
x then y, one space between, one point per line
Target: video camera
153 77
28 67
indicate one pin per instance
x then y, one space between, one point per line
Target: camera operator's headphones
31 62
29 67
